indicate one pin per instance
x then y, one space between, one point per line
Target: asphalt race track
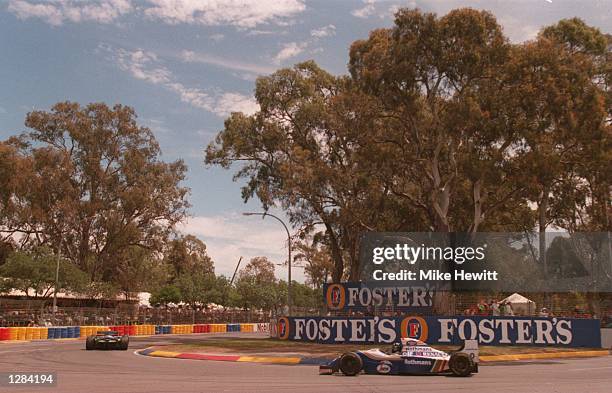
81 371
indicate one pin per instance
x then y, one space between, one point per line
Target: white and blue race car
408 357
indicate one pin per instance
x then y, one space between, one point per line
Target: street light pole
57 266
289 252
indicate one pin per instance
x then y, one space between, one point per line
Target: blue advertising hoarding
362 296
488 330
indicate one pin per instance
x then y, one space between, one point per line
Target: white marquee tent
520 304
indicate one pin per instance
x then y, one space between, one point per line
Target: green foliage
257 287
259 269
234 299
577 35
6 248
138 270
88 180
187 254
306 297
567 262
166 294
317 262
195 288
34 272
101 290
442 125
219 292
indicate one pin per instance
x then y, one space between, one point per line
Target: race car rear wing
471 348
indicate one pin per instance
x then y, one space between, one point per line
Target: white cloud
517 29
289 50
245 76
366 10
157 125
324 31
146 66
234 102
55 12
263 32
230 236
239 13
293 49
394 8
204 58
220 104
142 65
217 37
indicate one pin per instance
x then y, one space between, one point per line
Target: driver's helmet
396 347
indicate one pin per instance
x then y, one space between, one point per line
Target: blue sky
185 64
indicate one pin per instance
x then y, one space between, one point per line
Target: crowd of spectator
137 315
504 308
491 307
184 314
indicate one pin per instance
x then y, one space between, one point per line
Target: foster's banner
361 296
443 330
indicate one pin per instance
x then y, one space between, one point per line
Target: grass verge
236 345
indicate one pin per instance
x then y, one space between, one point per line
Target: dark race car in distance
408 357
107 340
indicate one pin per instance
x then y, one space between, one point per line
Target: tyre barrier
61 332
219 328
202 328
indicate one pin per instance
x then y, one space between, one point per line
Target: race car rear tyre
461 364
125 341
90 343
350 364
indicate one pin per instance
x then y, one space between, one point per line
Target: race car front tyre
123 344
461 364
90 343
350 364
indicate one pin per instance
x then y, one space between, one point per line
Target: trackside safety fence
59 332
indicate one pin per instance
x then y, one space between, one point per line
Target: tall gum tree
442 125
95 186
299 152
438 82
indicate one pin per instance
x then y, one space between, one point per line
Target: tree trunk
542 224
477 219
355 263
336 255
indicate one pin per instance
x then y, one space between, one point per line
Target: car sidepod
377 362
